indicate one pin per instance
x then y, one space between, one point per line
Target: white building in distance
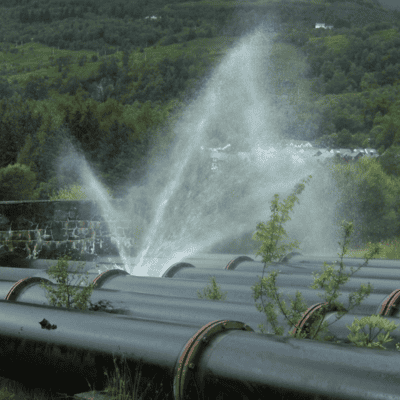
322 25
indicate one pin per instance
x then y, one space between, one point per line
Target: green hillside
106 74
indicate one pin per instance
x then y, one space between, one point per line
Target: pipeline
148 334
162 298
221 357
173 307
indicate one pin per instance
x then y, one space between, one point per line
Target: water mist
183 207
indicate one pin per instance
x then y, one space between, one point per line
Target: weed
122 388
212 293
69 296
66 295
269 235
364 339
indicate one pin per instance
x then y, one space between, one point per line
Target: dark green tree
36 88
16 122
125 59
82 61
17 182
86 129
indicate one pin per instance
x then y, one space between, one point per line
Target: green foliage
336 43
74 192
5 394
17 182
362 339
213 292
66 295
330 280
387 127
269 234
369 197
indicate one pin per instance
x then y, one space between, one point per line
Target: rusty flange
22 284
390 306
236 261
173 269
191 353
106 275
309 317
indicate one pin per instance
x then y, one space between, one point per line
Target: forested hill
113 77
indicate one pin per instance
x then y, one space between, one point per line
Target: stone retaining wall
50 229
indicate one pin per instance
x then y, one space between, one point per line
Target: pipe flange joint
185 368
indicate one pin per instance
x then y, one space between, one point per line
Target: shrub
65 295
269 234
374 321
212 293
74 192
17 182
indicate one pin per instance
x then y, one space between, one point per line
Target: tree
47 16
6 90
17 182
369 82
125 59
36 88
337 84
386 128
390 161
85 128
16 122
82 61
328 70
369 197
24 16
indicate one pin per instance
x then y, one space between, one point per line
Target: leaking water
184 207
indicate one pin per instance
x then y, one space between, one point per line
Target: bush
212 293
66 295
17 182
269 234
74 192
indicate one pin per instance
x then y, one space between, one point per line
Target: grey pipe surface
173 307
209 360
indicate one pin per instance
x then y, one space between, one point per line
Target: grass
390 250
119 387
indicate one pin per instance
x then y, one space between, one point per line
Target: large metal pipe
292 263
376 269
311 260
380 285
173 307
338 327
188 289
221 357
196 312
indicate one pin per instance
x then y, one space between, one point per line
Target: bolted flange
185 369
23 284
